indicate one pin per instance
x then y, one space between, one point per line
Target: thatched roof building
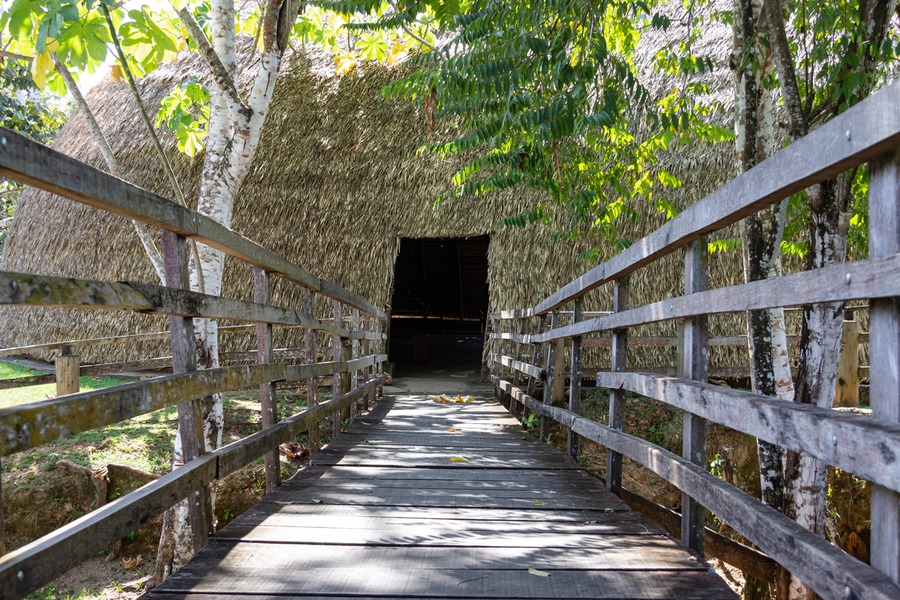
337 187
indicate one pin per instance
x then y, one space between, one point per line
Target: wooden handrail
867 447
34 164
804 553
39 562
851 139
30 425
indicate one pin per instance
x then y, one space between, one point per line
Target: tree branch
414 36
220 74
799 125
15 56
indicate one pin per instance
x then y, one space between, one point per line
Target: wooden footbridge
431 500
425 499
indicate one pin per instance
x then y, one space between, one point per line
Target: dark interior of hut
439 304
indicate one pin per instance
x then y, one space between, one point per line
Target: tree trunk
805 476
761 236
234 132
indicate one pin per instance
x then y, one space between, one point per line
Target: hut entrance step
439 304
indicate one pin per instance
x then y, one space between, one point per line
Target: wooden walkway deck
389 511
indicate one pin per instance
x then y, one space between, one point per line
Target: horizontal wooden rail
873 278
518 365
29 425
159 335
39 562
800 551
847 141
44 290
32 163
864 442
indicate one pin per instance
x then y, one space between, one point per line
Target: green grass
37 393
10 370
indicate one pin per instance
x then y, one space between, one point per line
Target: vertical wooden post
516 374
380 348
884 354
694 367
68 371
618 364
846 392
267 393
312 387
550 370
336 356
354 353
575 377
366 350
184 360
536 356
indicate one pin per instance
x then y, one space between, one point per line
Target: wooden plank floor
385 513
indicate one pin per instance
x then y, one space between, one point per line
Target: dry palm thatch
336 184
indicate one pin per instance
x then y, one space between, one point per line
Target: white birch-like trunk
806 478
234 133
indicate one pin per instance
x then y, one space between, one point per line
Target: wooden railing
867 447
358 353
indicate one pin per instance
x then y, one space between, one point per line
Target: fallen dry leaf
458 459
131 563
538 503
434 398
316 501
451 430
469 399
459 399
538 572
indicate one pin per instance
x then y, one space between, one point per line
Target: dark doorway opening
440 303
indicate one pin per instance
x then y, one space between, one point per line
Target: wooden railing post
337 354
575 377
618 364
694 367
184 360
366 350
549 369
68 371
536 354
354 353
380 347
312 387
884 354
846 392
267 393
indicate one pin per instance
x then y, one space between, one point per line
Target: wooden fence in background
356 368
868 447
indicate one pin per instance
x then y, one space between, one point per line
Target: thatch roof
336 183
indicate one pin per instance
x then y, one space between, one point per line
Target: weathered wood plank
44 290
695 363
32 163
266 355
518 365
619 363
866 447
863 132
884 353
800 551
30 425
184 360
312 386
